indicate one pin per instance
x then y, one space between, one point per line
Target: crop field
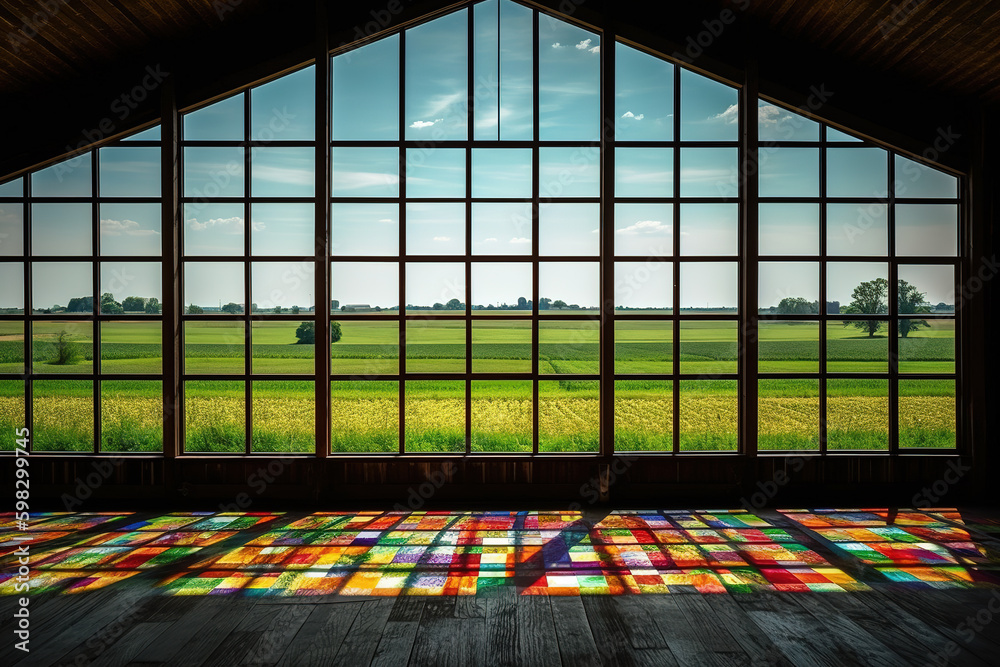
366 406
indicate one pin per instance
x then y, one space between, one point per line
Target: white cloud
557 45
519 240
629 114
584 45
645 227
442 238
596 231
769 114
387 221
359 180
125 227
730 116
233 225
492 239
421 124
596 49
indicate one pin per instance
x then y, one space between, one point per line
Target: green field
366 408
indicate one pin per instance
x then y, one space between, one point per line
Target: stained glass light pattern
538 553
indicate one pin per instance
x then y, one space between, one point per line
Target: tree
306 333
868 298
153 306
277 310
454 304
195 310
134 304
438 306
67 352
81 304
295 310
558 303
544 303
109 305
232 308
522 303
795 305
909 300
335 305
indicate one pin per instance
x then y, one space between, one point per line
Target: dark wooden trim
172 299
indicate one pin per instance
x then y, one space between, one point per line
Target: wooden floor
134 624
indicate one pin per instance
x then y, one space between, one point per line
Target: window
516 262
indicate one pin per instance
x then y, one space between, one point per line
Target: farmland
366 400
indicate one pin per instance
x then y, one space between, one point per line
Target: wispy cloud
387 221
442 238
125 228
557 45
645 227
730 116
629 114
492 239
233 225
421 124
519 240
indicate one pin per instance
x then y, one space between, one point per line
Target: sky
368 98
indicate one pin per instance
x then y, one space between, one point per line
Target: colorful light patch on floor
538 553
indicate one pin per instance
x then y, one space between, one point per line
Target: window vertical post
607 270
322 288
170 264
748 341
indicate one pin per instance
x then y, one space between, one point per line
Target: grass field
365 408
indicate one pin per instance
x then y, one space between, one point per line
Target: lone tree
558 303
796 305
868 298
67 352
909 300
306 333
232 308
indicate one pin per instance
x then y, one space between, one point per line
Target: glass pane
130 229
435 287
280 287
283 229
501 229
857 172
789 288
501 346
57 287
928 346
70 178
789 172
644 172
366 92
365 229
502 287
644 96
569 286
709 415
61 229
283 347
569 230
215 416
129 172
12 416
788 346
789 229
284 416
131 416
927 413
644 346
62 347
365 416
857 346
365 287
365 172
709 172
131 347
151 134
643 230
569 347
569 417
853 229
709 287
221 121
916 180
501 416
925 289
213 172
775 123
131 288
929 230
437 62
11 347
13 188
858 287
644 416
214 288
787 415
857 414
503 71
569 172
213 229
709 109
214 348
283 172
11 230
285 109
435 346
435 172
836 135
644 286
12 295
569 81
435 416
503 173
435 229
366 348
709 348
63 416
710 229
